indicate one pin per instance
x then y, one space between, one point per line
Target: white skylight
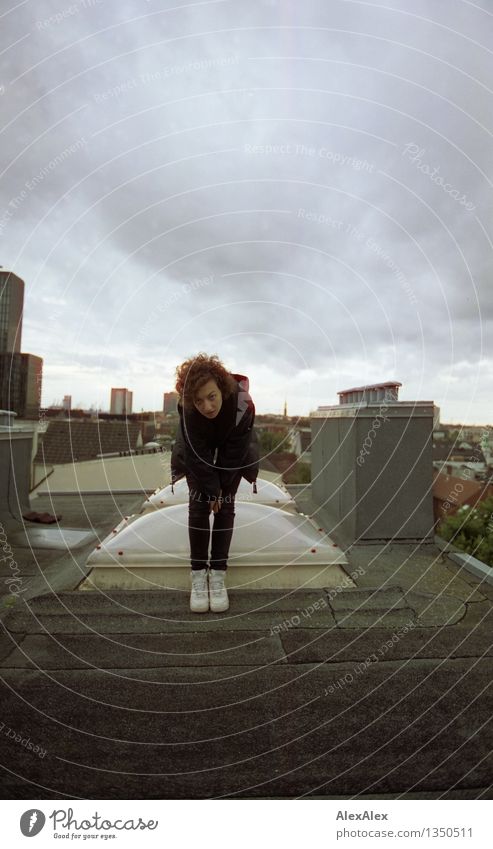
262 536
267 493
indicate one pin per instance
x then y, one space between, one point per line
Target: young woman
215 447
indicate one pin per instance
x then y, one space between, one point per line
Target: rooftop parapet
16 443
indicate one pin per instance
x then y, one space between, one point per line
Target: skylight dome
262 536
267 493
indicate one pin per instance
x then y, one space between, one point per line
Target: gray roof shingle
71 441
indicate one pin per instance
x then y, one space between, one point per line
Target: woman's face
209 399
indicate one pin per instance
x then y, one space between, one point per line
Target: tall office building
121 402
20 374
21 377
170 400
11 306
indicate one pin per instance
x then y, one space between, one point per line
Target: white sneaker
199 597
217 591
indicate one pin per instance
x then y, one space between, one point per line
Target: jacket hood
244 399
242 379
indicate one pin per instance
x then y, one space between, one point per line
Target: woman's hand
216 503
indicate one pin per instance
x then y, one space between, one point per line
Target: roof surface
70 441
381 691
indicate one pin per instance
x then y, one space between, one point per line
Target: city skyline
58 404
103 406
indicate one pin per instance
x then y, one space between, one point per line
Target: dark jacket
214 451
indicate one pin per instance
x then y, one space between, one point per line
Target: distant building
121 401
451 492
170 401
301 439
20 374
67 402
462 461
474 433
11 306
466 433
20 384
370 394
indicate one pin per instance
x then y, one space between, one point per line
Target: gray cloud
304 169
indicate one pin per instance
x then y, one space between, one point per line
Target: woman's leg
199 531
222 529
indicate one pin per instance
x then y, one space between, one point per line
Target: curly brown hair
196 371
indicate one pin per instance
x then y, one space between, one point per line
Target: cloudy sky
303 188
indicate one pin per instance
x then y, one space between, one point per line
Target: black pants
199 531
